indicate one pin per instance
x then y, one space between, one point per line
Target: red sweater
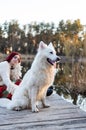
5 93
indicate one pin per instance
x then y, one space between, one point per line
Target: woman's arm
5 75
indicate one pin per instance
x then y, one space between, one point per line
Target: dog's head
49 53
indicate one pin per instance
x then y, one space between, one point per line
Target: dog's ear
42 45
51 45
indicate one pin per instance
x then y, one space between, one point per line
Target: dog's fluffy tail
4 102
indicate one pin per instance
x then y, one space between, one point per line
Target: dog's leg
19 104
44 103
33 100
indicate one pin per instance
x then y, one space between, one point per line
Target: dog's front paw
35 109
46 105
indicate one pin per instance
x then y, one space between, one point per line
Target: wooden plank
62 115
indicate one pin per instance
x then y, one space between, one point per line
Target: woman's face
15 60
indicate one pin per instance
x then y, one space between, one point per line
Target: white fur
36 81
16 72
6 73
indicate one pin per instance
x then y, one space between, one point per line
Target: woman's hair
11 55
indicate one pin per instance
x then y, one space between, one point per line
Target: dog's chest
46 76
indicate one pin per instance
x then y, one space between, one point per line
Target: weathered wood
62 115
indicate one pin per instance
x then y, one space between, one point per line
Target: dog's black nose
58 58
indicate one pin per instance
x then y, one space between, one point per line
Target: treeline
65 36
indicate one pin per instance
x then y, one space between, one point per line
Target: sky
27 11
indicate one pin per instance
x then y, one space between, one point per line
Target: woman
10 73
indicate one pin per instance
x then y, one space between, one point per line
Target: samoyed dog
35 82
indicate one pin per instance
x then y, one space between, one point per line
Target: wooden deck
62 115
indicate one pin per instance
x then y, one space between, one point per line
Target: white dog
36 81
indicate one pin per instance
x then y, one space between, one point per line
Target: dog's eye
51 52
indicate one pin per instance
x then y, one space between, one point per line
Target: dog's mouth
50 61
53 62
